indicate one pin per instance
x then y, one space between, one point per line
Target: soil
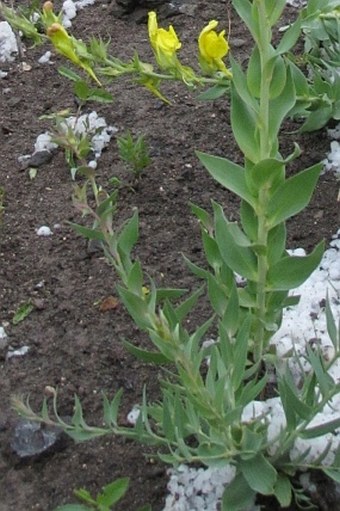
73 344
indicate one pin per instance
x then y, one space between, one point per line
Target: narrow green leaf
110 408
253 73
231 315
113 492
290 37
332 330
291 271
260 475
153 357
244 10
91 234
187 305
245 131
279 107
293 195
321 430
278 70
228 174
240 259
69 73
214 92
136 306
274 10
129 234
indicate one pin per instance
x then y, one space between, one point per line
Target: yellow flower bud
48 6
70 48
213 47
165 43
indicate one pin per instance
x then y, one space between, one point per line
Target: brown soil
73 345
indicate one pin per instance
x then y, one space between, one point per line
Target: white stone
8 43
44 230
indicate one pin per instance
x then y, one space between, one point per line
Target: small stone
3 338
32 438
44 230
17 353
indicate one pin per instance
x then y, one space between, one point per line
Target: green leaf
136 306
86 232
332 330
269 173
276 243
23 311
113 492
227 173
153 357
291 271
238 495
283 490
245 131
110 408
278 76
249 221
321 430
129 234
324 379
244 10
240 259
279 107
253 73
69 73
73 507
240 84
260 475
293 195
290 37
214 92
217 296
232 311
274 10
317 119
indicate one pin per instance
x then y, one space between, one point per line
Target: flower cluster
213 47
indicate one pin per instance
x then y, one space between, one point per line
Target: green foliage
110 495
206 386
134 152
22 312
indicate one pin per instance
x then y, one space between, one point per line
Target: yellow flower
165 43
213 47
70 48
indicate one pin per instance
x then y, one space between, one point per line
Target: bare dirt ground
73 344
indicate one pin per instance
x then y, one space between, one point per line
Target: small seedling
23 311
134 152
104 501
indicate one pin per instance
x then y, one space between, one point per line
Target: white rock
3 338
45 58
133 415
17 353
44 230
8 43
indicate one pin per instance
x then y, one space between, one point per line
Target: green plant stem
265 150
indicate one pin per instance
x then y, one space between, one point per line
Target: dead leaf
108 304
